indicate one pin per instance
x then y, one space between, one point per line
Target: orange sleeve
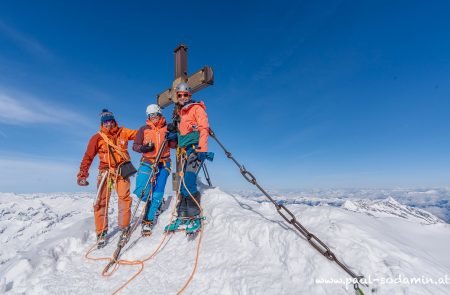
130 133
203 127
89 155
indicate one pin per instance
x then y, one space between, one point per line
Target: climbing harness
291 219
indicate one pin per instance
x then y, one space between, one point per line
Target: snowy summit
246 248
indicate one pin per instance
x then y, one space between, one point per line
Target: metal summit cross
197 81
201 79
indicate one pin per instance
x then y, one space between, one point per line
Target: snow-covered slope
247 248
390 207
433 200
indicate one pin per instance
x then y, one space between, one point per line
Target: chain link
287 215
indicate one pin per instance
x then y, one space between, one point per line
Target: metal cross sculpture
201 79
197 81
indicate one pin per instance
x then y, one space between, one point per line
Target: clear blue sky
307 93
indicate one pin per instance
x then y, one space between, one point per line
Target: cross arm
197 81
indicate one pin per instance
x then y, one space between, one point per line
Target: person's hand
82 181
148 147
171 127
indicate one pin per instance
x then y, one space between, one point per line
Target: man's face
183 97
154 117
108 124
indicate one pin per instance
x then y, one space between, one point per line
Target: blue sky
307 94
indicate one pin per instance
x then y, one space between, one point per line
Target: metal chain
290 217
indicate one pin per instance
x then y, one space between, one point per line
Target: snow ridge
390 207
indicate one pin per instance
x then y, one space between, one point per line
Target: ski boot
194 225
101 240
123 239
147 227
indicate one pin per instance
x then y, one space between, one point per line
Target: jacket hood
193 103
158 125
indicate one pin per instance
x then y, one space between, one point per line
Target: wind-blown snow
247 248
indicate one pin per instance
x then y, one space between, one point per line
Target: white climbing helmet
152 109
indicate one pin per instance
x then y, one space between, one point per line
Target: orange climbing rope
108 179
141 262
110 259
191 277
156 251
152 255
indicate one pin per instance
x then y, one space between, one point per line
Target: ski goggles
183 94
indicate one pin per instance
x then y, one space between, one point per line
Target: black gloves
146 148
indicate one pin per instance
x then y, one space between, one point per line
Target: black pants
187 207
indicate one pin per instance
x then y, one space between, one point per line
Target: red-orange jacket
154 133
119 136
193 117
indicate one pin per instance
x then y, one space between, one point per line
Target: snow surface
247 247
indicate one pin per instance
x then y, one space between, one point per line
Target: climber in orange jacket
148 142
193 133
111 145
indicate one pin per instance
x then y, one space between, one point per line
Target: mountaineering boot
123 239
194 225
192 207
174 226
101 240
147 227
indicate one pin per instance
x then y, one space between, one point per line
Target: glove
82 181
202 156
171 135
147 147
171 127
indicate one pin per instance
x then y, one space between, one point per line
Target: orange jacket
118 136
154 133
193 117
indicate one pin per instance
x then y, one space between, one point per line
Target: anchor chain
287 215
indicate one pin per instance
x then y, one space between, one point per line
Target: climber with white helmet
148 142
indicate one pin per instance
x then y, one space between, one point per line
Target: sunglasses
180 95
153 115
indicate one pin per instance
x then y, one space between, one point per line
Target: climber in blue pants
143 176
149 140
